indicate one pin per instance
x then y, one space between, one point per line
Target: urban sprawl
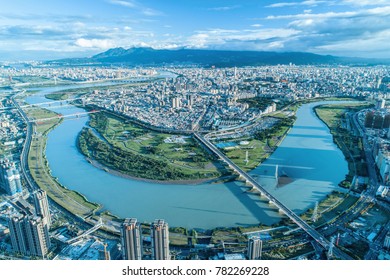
217 103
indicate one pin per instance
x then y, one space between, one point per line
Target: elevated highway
320 239
26 148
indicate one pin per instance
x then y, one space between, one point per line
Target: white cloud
94 43
379 11
198 41
151 12
256 25
366 2
359 32
132 4
370 45
124 3
225 8
271 38
311 3
166 46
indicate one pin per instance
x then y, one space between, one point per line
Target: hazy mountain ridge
207 58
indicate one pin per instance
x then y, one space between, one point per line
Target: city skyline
58 29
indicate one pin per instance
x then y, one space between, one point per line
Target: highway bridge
69 116
320 239
26 148
97 226
42 104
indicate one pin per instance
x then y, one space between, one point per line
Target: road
377 245
32 186
282 208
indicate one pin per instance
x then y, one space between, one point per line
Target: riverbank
166 182
144 154
335 204
131 189
336 119
261 145
78 92
58 96
70 200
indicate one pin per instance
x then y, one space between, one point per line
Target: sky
50 29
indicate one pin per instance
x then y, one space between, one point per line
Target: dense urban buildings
237 108
215 98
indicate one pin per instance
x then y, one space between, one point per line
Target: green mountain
207 58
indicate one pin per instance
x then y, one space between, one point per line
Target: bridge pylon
314 217
331 246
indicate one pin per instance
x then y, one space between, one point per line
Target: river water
308 156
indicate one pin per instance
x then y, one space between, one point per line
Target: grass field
290 252
30 79
331 207
180 156
135 139
260 146
82 91
232 235
257 153
39 169
57 96
334 117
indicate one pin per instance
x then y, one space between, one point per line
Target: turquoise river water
308 156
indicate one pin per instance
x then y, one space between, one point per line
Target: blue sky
44 29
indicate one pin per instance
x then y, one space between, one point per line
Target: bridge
320 239
98 225
69 116
49 103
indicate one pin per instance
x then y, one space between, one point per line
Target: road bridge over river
320 239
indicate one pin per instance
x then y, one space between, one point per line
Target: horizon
56 29
386 60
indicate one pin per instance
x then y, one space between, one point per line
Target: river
307 156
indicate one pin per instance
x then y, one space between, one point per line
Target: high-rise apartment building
10 178
29 235
386 242
255 248
42 206
160 240
131 239
175 102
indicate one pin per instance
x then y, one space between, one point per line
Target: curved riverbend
205 205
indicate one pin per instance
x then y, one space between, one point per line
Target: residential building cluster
132 240
197 98
12 131
377 126
12 75
207 99
10 180
381 153
29 229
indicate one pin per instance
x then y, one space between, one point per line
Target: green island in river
143 153
119 145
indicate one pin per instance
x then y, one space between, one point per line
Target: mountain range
208 58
